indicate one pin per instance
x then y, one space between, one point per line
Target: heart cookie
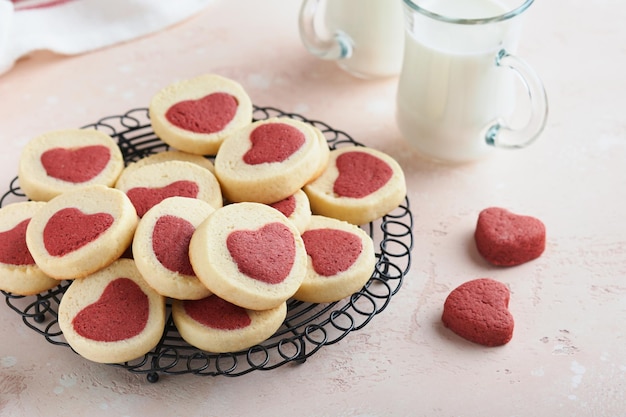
161 247
504 238
341 260
358 185
152 183
215 325
249 254
79 232
269 160
478 311
64 160
196 115
113 315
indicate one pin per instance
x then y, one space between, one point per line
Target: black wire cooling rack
307 328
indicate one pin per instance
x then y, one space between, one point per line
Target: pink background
568 353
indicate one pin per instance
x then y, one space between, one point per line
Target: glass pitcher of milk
364 37
457 89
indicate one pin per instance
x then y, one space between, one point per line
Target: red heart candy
170 243
273 142
507 239
13 249
331 250
144 198
70 229
267 254
120 313
209 114
360 174
76 165
478 311
217 313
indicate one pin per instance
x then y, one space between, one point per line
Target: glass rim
473 21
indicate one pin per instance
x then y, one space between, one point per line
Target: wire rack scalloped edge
308 326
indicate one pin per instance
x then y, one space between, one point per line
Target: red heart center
120 313
144 198
76 165
70 229
170 243
267 254
209 114
360 174
286 206
217 313
13 249
273 142
331 250
478 311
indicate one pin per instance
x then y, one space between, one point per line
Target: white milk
450 88
376 28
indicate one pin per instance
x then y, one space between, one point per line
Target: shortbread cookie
152 183
195 115
79 232
63 160
18 272
215 325
113 315
504 238
249 254
172 155
296 208
161 247
341 260
267 161
359 185
478 311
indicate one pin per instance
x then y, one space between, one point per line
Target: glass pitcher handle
331 47
503 136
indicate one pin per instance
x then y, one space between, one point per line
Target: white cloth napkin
75 26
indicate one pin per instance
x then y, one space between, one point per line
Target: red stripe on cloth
42 4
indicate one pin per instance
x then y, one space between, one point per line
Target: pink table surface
568 353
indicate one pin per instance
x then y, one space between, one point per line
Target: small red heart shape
360 174
144 198
209 114
273 142
76 165
217 313
266 254
120 313
170 242
13 249
286 206
331 250
506 239
70 229
478 311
